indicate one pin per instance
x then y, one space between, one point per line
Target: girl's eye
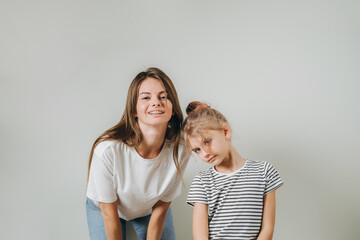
145 98
207 141
163 97
196 150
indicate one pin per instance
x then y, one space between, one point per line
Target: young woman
135 167
235 198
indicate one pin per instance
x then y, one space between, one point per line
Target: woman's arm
200 221
111 220
157 220
268 219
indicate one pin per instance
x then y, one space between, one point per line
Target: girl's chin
215 163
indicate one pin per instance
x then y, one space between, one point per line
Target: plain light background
285 73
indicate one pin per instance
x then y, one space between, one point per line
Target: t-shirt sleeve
272 179
177 187
197 192
101 185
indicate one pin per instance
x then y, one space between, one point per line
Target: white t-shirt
119 172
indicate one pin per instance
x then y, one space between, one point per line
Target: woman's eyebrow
161 92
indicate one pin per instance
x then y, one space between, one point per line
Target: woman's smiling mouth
156 112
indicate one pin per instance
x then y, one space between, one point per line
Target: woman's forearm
157 220
111 221
113 229
155 227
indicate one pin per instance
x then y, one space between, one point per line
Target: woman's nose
156 102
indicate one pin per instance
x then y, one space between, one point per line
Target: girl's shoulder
204 174
259 166
257 163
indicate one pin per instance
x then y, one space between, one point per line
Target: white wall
285 73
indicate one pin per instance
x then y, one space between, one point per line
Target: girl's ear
227 131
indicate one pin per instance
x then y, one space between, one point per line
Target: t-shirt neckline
151 159
232 173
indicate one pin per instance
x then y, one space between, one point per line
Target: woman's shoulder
181 149
107 145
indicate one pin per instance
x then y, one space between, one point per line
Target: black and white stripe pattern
235 201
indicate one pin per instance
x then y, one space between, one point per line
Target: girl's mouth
211 159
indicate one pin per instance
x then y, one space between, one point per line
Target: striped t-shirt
235 200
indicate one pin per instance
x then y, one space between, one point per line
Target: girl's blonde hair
128 130
201 117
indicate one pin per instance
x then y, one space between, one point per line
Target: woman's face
153 107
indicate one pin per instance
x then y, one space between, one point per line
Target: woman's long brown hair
128 131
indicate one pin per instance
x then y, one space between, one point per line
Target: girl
235 198
135 167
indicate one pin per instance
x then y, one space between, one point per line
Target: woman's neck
234 162
152 141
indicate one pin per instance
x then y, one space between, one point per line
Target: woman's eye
145 98
207 141
163 97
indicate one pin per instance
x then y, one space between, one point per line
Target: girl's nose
205 154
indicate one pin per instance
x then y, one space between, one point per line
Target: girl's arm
268 219
111 220
157 220
200 221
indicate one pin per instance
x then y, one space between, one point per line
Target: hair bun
195 106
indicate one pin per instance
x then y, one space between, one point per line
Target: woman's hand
268 219
200 221
111 220
157 220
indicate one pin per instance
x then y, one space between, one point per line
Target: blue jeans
140 225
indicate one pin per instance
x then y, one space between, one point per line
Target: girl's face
213 147
153 107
